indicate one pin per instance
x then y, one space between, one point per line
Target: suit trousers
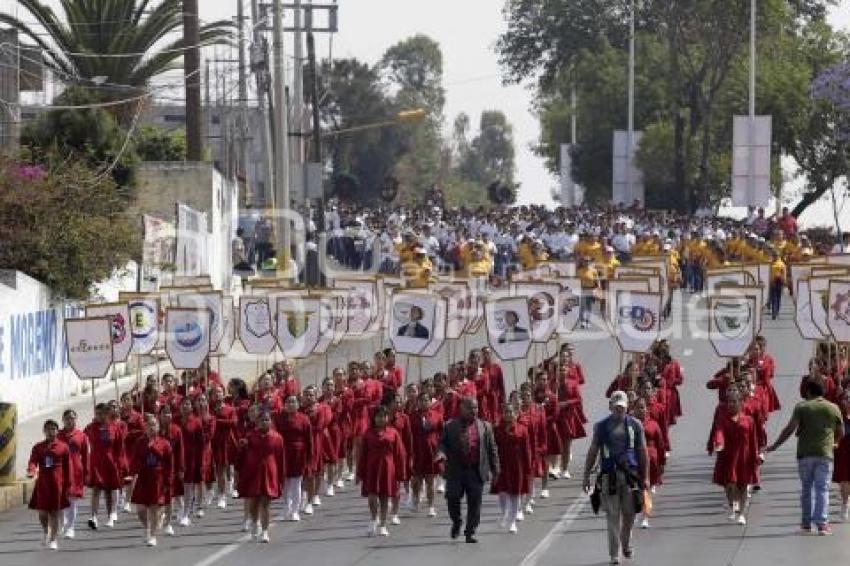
467 483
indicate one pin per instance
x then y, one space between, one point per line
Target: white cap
619 399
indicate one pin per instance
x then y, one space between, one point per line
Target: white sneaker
200 513
383 531
246 526
295 517
185 521
53 545
644 524
372 530
169 530
110 522
441 486
349 476
566 475
329 492
529 509
222 504
114 515
395 520
652 489
127 507
503 521
234 494
742 520
308 509
264 537
520 516
340 484
317 501
69 532
512 528
544 494
151 541
733 515
432 512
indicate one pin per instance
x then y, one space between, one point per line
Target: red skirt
553 439
332 445
841 470
49 494
654 466
571 423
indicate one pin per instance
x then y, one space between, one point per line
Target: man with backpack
619 444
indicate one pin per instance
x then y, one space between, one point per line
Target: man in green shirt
819 427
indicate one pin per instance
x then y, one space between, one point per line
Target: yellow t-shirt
777 270
417 274
589 277
608 266
479 268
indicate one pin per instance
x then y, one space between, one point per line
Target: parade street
689 527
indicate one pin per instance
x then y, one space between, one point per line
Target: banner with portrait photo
838 310
145 321
89 346
542 307
255 325
731 324
412 322
438 336
187 336
122 336
803 312
638 321
298 326
569 304
508 327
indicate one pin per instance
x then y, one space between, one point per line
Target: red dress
381 458
658 412
534 418
297 441
346 419
620 383
466 388
153 466
450 402
174 436
841 471
360 410
224 436
332 448
262 465
393 379
426 428
197 449
655 450
401 422
765 372
571 417
481 379
516 460
721 381
78 445
550 412
106 444
289 387
497 386
269 402
320 417
737 463
51 460
672 377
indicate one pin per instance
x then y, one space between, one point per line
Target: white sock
513 510
70 514
503 504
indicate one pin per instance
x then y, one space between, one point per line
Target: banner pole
93 396
513 372
419 361
117 391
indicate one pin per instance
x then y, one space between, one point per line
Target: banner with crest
731 324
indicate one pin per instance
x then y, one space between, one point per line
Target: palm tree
112 46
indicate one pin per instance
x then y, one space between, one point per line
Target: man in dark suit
468 448
414 328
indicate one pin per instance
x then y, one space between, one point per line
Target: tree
112 46
63 225
157 144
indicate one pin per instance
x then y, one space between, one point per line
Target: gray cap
619 399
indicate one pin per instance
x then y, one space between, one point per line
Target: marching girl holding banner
106 441
534 418
174 435
346 425
152 466
261 463
78 445
50 464
134 430
496 377
207 480
332 449
672 377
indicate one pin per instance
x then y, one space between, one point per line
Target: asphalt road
689 526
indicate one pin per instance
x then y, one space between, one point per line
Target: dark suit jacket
450 445
419 331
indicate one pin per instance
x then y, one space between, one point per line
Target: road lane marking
221 553
570 515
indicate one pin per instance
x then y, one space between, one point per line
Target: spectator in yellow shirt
479 265
590 284
777 282
417 271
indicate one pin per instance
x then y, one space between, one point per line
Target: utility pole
317 133
192 78
260 67
281 146
631 133
298 88
243 128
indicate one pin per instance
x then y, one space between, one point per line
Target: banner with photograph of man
732 324
438 334
638 321
411 325
255 325
508 327
187 336
298 325
542 307
569 304
89 342
122 336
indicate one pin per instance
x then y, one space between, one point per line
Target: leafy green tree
158 144
64 225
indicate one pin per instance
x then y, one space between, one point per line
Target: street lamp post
631 132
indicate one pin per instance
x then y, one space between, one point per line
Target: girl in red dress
320 418
207 481
571 417
288 384
78 445
534 418
516 470
174 435
297 434
478 375
346 424
393 376
841 472
152 465
626 381
654 449
262 468
106 444
734 442
223 443
50 464
381 457
401 422
332 448
673 378
497 380
817 372
135 431
426 428
194 449
266 396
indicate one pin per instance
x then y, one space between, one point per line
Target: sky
466 31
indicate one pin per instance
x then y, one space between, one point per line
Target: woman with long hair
78 445
50 465
106 443
401 422
320 418
381 456
223 443
426 428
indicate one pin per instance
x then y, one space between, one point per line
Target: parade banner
298 325
145 319
461 311
362 304
438 336
638 321
381 301
255 325
660 263
838 259
838 310
829 271
731 324
413 320
327 318
714 280
803 312
802 270
757 293
340 321
229 332
191 256
122 337
542 307
569 304
212 301
158 249
818 301
632 284
187 336
635 271
388 290
89 342
192 281
508 327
